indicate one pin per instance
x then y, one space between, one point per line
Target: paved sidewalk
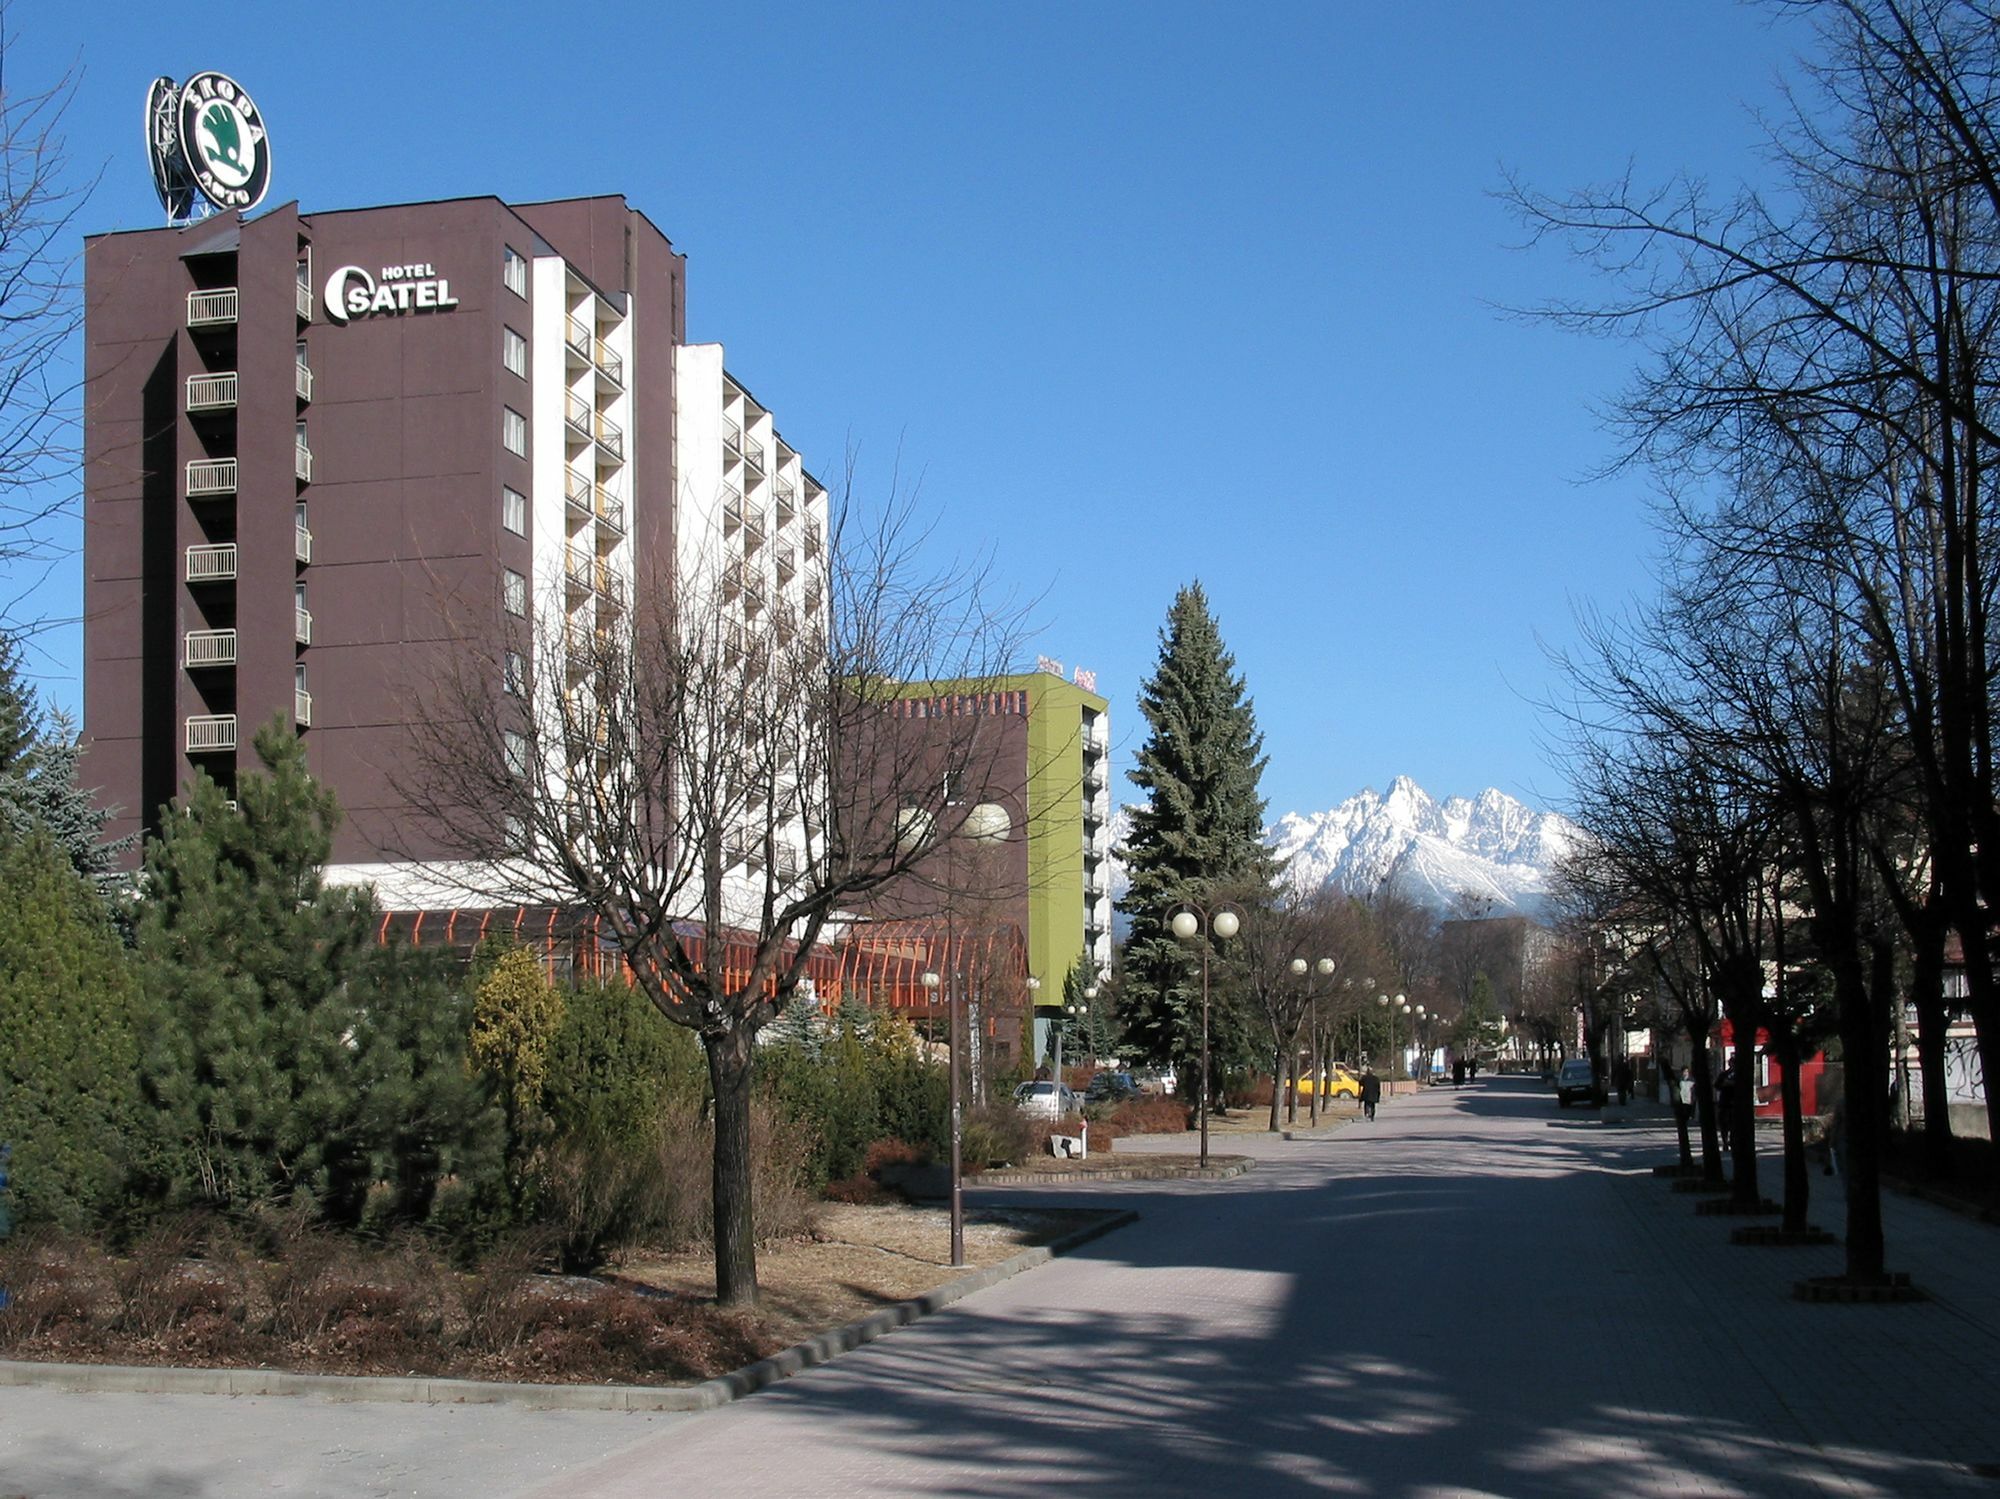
1478 1294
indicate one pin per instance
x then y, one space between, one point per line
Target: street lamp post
1420 1037
1189 920
1324 968
1394 1007
931 982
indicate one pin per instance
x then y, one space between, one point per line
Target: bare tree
40 197
722 785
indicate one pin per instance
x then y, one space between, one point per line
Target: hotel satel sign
352 291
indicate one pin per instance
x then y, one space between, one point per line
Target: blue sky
1139 293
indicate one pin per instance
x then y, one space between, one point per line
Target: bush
1151 1114
864 1081
70 1020
997 1135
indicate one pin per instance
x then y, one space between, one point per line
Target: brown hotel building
319 448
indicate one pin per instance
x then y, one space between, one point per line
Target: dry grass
860 1258
200 1293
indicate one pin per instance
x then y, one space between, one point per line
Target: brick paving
1478 1294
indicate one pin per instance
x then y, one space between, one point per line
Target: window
299 677
514 270
514 352
514 431
299 353
514 510
515 594
515 744
298 595
514 674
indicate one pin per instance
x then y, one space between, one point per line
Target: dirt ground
860 1259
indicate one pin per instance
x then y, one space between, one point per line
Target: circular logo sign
223 141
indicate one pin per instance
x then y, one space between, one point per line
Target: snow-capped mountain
1489 845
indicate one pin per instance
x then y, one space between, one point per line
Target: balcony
211 393
302 381
753 455
577 337
212 564
584 573
787 565
213 309
577 415
732 512
302 300
201 648
753 531
210 476
302 544
302 462
302 707
607 361
732 439
211 734
814 539
787 506
610 436
610 511
577 490
302 625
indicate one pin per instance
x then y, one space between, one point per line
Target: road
1476 1295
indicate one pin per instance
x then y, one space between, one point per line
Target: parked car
1111 1087
1042 1099
1340 1083
1576 1083
1156 1080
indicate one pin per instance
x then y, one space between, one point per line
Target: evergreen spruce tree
1198 836
20 719
70 1022
245 956
40 791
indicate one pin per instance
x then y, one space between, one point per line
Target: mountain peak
1488 845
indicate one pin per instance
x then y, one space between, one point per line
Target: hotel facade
325 452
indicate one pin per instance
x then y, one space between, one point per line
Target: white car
1155 1080
1040 1098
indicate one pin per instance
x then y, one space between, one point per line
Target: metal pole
1204 1048
957 1134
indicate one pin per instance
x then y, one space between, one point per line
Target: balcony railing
302 626
302 462
577 491
302 544
211 476
732 438
211 392
753 531
215 563
302 381
302 299
813 538
732 512
208 648
211 734
753 454
302 707
787 565
787 508
576 333
607 361
212 309
610 436
577 413
610 510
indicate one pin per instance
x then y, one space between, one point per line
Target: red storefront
1770 1074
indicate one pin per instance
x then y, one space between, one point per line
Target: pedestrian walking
1725 1107
1621 1077
1836 1133
1371 1092
1458 1072
1684 1097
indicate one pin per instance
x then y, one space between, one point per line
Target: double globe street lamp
1395 1007
1323 967
1188 921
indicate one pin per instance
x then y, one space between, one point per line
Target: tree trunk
1704 1109
1743 1118
729 1065
1933 1018
1863 1054
1277 1081
1798 1181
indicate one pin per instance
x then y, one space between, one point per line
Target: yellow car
1340 1084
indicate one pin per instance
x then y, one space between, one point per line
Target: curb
1946 1200
1235 1167
710 1393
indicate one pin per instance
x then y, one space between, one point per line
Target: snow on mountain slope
1489 845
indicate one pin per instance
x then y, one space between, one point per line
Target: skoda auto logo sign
223 141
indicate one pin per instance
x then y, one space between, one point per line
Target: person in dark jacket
1371 1092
